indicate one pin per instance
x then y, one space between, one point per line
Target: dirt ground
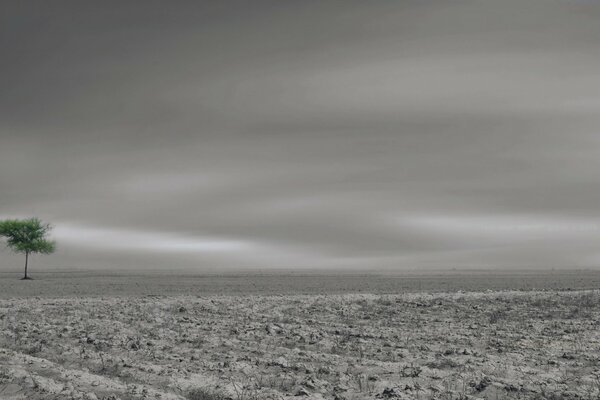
178 282
540 344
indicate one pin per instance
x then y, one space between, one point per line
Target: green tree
27 236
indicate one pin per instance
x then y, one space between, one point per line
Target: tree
27 236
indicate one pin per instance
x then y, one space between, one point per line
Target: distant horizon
298 270
133 283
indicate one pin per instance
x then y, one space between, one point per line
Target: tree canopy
27 236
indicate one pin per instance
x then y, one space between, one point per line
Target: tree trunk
26 259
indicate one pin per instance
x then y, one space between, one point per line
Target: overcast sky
367 134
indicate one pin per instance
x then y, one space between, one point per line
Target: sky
409 134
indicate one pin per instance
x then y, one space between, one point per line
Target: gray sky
404 134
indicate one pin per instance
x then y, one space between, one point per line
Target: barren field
444 345
102 283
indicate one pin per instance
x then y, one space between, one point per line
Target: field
354 337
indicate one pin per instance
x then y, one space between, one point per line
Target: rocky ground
493 345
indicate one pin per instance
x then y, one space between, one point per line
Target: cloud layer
295 134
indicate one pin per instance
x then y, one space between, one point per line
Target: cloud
304 134
121 239
508 226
